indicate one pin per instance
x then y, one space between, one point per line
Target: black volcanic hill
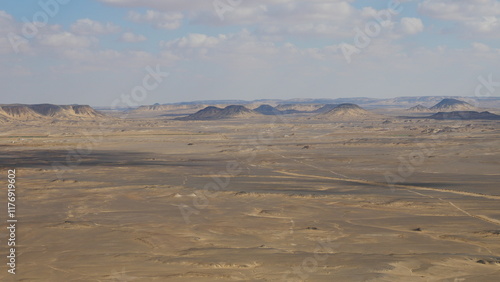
343 111
326 108
214 113
41 111
207 113
268 110
465 115
237 110
449 105
418 109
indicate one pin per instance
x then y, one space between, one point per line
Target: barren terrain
256 199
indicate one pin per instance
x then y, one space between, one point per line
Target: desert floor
261 199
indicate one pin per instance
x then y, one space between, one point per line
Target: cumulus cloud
194 40
319 18
158 19
7 32
132 37
412 25
460 10
481 47
166 5
485 24
243 50
66 40
90 27
478 16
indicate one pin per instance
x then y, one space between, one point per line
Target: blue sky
94 52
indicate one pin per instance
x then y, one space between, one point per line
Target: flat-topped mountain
18 112
449 105
214 113
40 111
465 115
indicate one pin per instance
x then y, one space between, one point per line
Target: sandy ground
254 200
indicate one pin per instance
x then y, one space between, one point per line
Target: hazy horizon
223 101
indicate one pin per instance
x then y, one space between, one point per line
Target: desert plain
261 198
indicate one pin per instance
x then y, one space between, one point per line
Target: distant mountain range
45 111
449 105
314 104
214 113
465 115
343 111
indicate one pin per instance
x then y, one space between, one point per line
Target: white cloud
132 37
472 16
6 22
412 25
318 18
194 40
90 27
158 19
480 47
7 26
485 24
166 5
66 40
460 10
242 49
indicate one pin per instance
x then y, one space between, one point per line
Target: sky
115 53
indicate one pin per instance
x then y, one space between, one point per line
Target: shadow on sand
44 158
